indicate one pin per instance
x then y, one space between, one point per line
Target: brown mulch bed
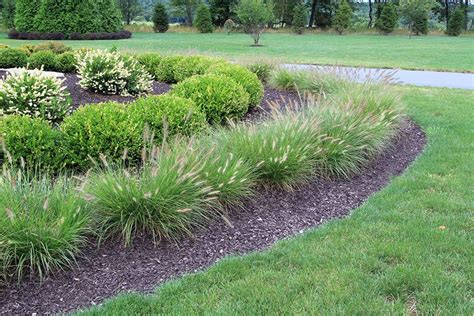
272 215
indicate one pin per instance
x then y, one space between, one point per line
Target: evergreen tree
343 18
110 16
8 13
160 18
51 17
415 14
420 22
300 18
25 13
388 19
203 21
456 22
222 10
85 17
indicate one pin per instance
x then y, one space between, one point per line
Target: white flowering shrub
33 93
112 73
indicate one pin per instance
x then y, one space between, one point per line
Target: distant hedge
64 19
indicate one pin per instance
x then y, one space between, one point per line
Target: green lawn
392 256
397 51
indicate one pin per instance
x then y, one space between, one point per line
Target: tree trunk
313 13
466 10
370 13
446 11
189 16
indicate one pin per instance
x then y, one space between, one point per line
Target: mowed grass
407 250
431 52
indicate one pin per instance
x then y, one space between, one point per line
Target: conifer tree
456 22
160 18
388 19
343 18
300 19
203 21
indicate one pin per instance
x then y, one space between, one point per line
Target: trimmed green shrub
31 92
151 62
248 80
388 19
112 73
166 198
31 142
218 96
189 66
43 226
100 129
281 149
166 70
456 22
300 19
25 13
343 19
45 60
203 21
12 58
175 114
66 62
160 19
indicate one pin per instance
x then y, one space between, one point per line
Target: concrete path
411 77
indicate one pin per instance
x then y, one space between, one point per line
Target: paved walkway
411 77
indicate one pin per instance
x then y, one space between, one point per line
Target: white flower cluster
112 73
31 92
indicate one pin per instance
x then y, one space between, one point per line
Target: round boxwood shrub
66 62
100 129
151 62
12 58
45 60
181 115
165 71
33 93
30 139
244 77
220 97
189 66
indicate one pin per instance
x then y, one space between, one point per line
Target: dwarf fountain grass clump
281 150
43 224
166 198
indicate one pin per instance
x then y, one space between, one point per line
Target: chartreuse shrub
45 60
12 58
166 198
43 225
282 150
248 80
100 129
31 142
66 62
35 94
165 72
189 66
112 73
151 62
218 96
167 114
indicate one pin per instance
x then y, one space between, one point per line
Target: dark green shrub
218 96
203 21
181 116
25 13
32 140
343 19
300 19
456 22
100 129
160 18
42 59
248 80
44 224
12 58
151 62
166 70
189 66
388 19
66 62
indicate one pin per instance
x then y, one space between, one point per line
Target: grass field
407 250
397 51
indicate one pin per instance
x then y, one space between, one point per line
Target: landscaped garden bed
164 185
